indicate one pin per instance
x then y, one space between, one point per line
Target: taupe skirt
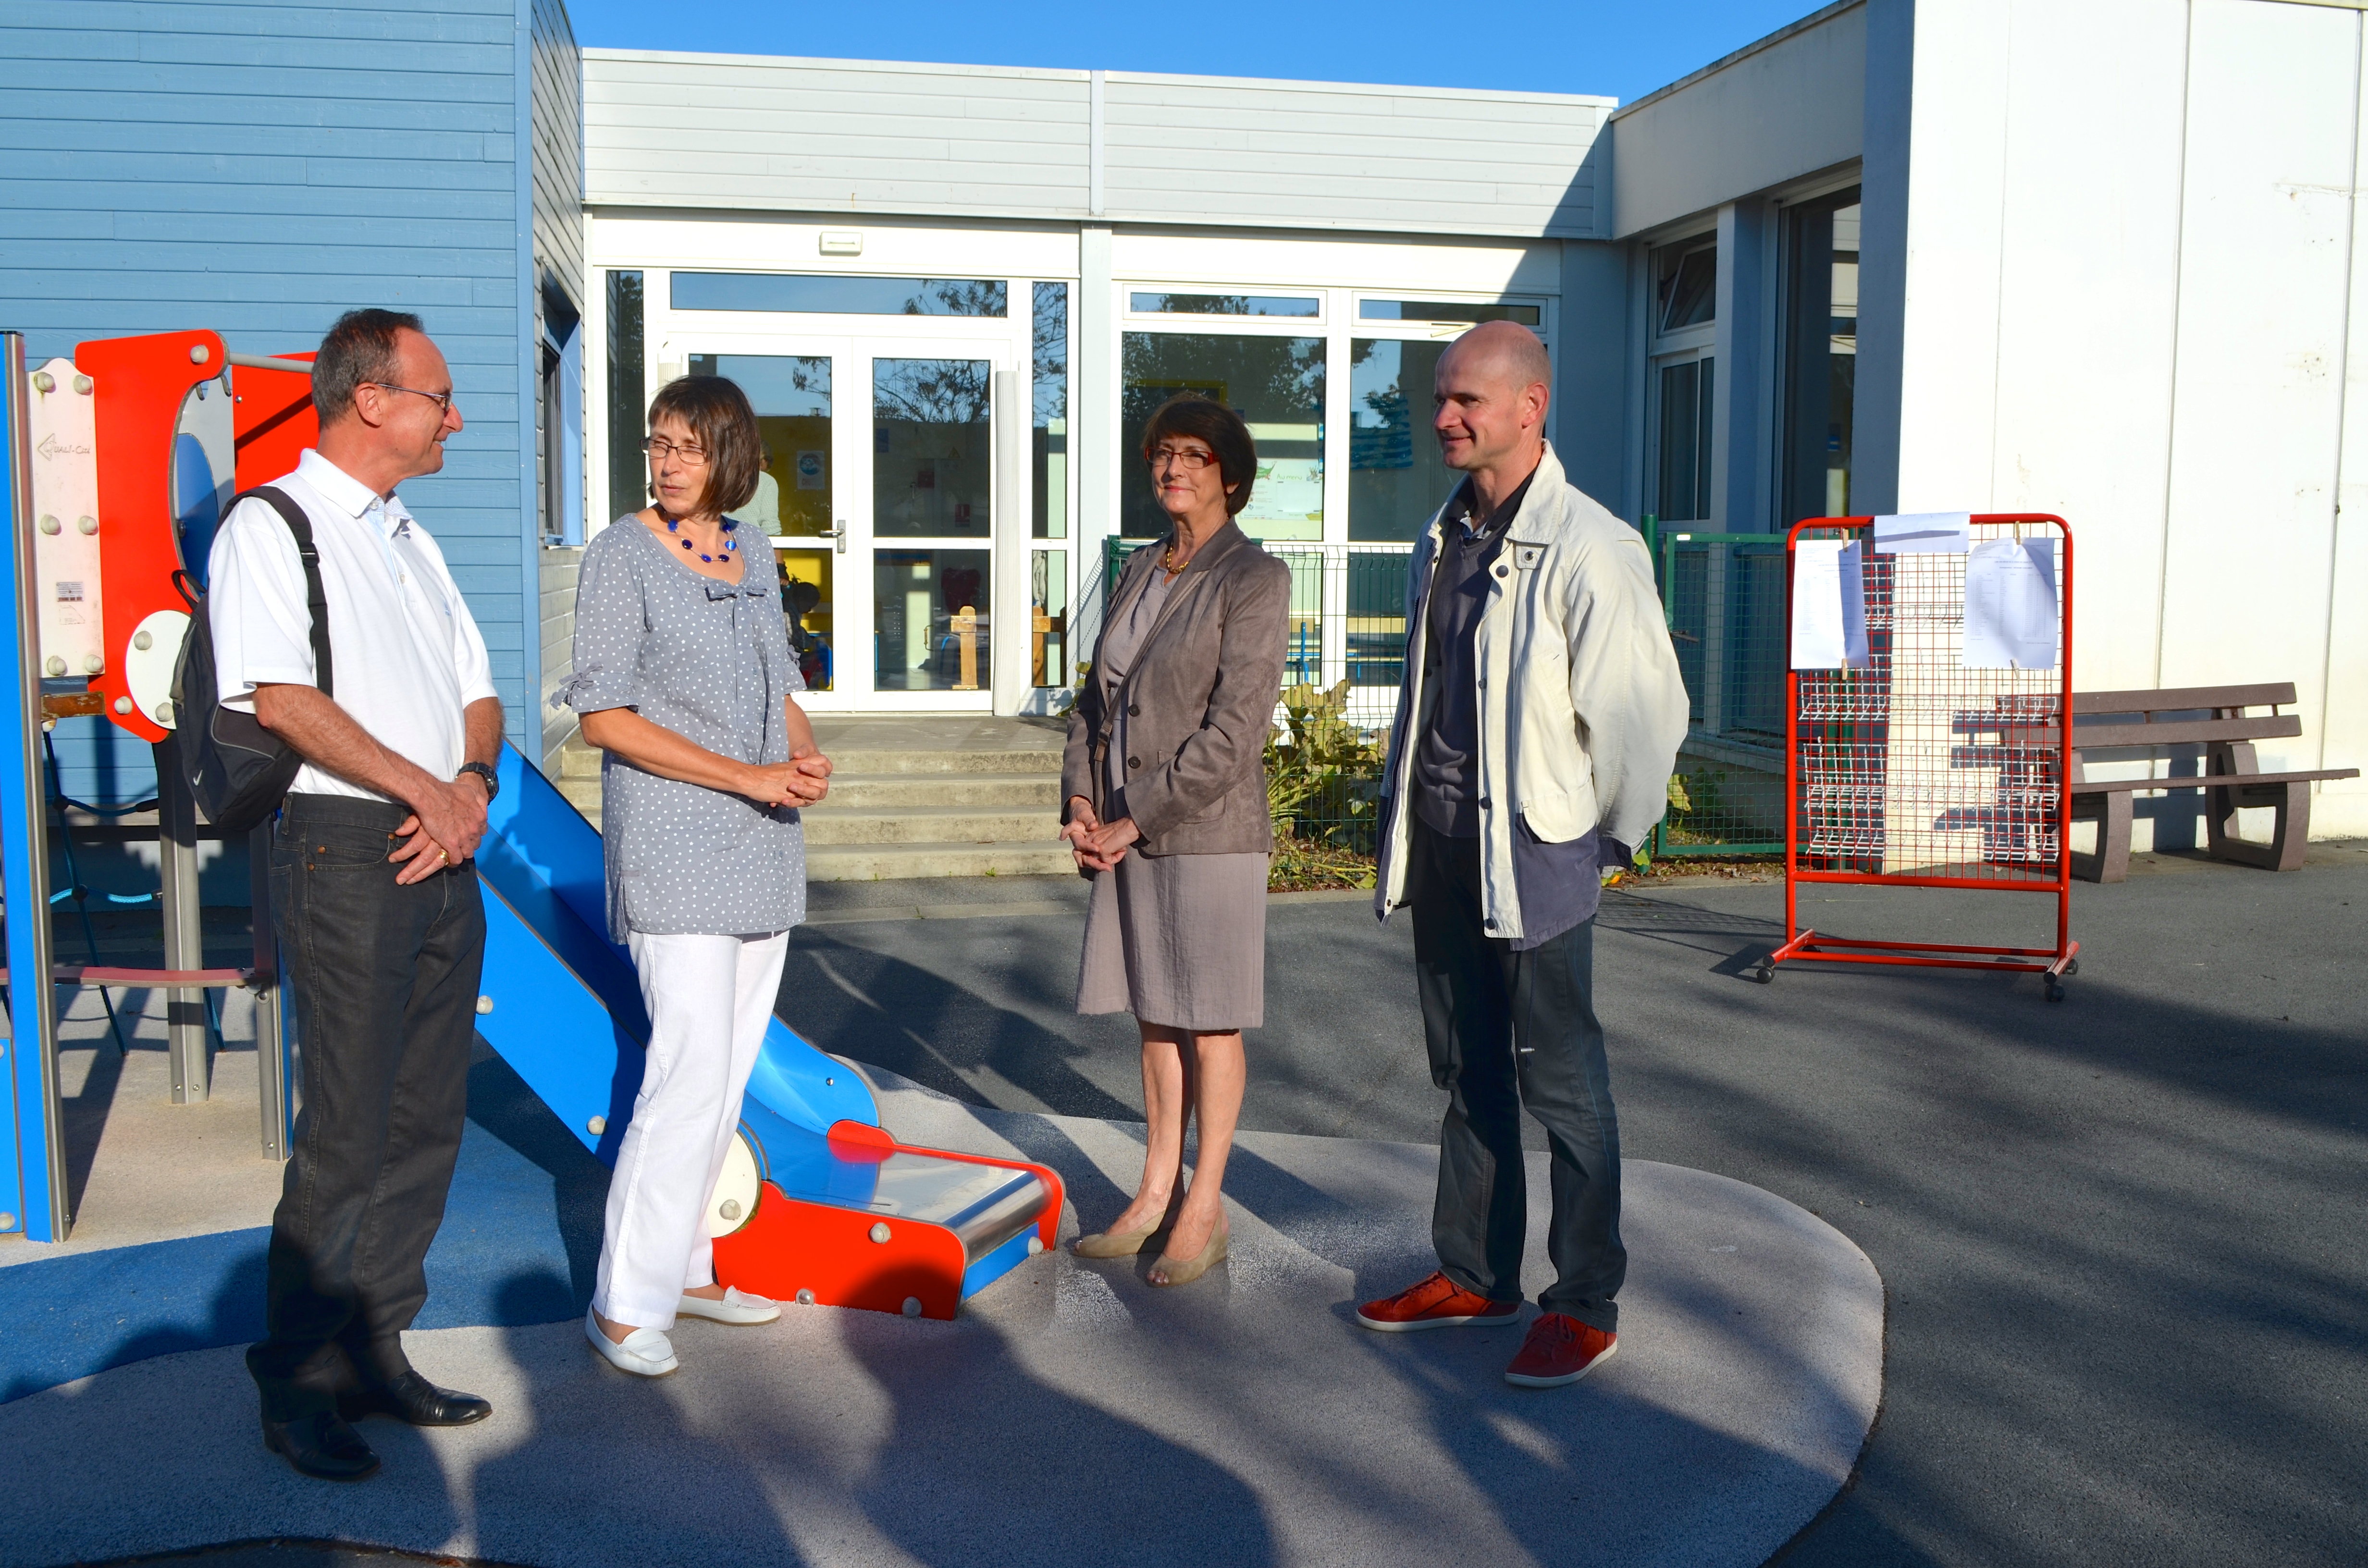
1179 941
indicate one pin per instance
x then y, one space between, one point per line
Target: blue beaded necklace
674 526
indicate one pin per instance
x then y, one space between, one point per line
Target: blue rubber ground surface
520 1240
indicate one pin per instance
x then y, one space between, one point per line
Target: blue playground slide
832 1201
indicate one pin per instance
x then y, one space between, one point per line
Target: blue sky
1564 46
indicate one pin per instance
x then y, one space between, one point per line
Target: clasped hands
1099 845
448 818
801 781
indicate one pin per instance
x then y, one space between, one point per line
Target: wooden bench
2128 721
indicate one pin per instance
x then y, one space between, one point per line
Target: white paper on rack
2010 606
1924 533
1828 606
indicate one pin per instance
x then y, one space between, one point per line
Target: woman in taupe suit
1165 788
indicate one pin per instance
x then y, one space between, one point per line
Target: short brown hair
1204 418
361 346
720 420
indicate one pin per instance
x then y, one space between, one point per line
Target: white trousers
709 999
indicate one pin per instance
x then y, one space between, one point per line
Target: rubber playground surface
1250 1405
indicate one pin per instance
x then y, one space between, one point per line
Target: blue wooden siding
259 169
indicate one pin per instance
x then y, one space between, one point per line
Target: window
1050 415
931 441
629 478
1685 423
1821 357
1396 478
790 396
823 295
1684 379
1447 311
1048 570
1688 290
1276 384
1225 304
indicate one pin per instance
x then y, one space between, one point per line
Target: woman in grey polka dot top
685 680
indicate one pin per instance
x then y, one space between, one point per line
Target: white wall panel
832 136
2342 729
1956 201
2087 305
2264 276
743 131
1316 155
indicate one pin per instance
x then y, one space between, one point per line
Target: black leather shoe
321 1446
412 1399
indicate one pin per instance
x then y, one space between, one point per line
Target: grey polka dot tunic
709 661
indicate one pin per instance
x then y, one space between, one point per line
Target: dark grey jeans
384 980
1508 1029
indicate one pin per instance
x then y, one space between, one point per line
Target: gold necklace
1167 560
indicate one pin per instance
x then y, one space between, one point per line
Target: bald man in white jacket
1536 730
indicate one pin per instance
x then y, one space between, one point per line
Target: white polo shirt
407 657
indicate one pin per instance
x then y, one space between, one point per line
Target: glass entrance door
878 499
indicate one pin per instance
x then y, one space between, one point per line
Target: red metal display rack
1915 772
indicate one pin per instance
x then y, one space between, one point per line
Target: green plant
1323 774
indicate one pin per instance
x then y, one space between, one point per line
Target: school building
2093 257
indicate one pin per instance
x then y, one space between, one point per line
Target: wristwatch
493 780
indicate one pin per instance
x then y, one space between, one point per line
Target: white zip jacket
1581 706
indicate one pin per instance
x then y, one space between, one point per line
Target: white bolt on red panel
61 415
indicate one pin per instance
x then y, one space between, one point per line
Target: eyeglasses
443 399
660 448
1191 459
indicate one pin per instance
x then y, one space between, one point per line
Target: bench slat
2185 731
2172 699
2210 781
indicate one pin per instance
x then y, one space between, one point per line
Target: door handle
839 533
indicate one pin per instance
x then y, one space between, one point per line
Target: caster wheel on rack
1765 974
2071 968
2055 992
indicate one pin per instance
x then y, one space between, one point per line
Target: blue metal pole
33 1187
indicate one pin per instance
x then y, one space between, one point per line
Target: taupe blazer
1199 703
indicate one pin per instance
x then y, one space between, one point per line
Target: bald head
1504 352
1494 384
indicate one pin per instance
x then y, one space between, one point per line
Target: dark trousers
384 983
1508 1029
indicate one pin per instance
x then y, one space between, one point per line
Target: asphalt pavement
2125 1236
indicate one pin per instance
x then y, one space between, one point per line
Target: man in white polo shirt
373 890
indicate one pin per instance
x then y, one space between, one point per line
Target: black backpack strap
316 599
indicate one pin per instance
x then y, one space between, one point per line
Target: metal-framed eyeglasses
660 448
443 399
1193 460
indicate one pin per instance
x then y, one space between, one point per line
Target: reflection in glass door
932 523
791 395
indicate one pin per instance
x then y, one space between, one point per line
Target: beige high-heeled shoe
1117 1243
1183 1271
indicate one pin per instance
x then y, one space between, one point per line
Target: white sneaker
645 1353
737 1307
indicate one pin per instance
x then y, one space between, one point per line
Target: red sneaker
1560 1349
1436 1303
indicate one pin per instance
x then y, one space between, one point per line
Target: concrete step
867 761
892 862
933 824
583 794
873 792
577 760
